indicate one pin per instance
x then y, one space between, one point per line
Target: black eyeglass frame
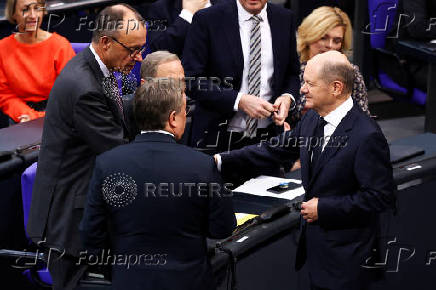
133 51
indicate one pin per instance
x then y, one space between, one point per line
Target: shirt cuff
236 106
185 14
218 162
293 100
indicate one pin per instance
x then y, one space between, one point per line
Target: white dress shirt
334 118
238 123
187 15
103 67
157 131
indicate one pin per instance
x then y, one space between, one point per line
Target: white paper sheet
259 185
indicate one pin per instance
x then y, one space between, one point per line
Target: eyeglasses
133 51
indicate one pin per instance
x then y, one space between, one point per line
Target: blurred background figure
424 13
169 22
327 28
302 8
31 60
423 28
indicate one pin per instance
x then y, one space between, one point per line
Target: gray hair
110 21
338 71
155 100
153 60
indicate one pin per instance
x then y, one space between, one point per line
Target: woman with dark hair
30 61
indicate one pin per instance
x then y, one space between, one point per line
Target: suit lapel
89 56
231 29
275 28
304 153
93 64
177 8
341 135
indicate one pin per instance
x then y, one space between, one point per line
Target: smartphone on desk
283 187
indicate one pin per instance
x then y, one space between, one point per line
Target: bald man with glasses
85 117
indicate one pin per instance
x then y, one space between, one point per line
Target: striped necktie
254 71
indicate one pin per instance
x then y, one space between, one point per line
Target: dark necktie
319 136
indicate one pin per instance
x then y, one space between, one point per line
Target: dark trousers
65 271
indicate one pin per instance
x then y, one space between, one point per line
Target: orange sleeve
11 104
65 53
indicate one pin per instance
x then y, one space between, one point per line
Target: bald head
334 66
115 19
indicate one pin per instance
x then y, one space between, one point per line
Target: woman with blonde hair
327 28
30 61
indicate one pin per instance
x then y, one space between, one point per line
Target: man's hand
283 103
194 5
286 126
255 107
309 210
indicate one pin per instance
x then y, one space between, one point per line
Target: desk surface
21 135
422 50
56 5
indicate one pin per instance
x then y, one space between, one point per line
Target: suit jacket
80 123
172 226
213 49
167 30
353 181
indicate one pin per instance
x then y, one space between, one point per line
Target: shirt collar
103 67
157 131
244 15
336 116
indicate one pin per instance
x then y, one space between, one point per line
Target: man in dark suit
156 199
348 178
169 22
242 56
84 118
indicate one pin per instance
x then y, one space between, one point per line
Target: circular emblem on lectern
119 189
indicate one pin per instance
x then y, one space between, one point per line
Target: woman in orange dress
30 61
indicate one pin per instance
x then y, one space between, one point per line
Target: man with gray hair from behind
159 64
162 64
173 198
